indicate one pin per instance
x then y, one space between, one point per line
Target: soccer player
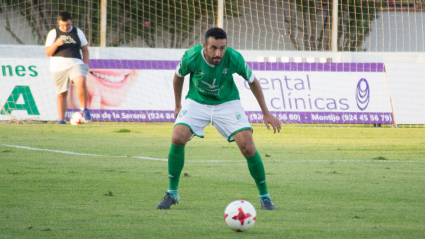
213 97
67 65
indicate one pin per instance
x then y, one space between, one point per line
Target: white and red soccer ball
77 118
240 215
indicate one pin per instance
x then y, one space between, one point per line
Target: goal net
366 70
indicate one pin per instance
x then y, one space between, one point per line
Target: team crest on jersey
182 113
225 70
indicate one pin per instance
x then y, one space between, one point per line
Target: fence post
335 26
220 10
103 23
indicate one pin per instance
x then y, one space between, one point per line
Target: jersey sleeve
82 37
51 37
182 68
244 70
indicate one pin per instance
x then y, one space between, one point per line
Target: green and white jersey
211 84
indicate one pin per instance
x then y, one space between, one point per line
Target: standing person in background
214 98
67 65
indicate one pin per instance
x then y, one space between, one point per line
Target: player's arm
85 51
268 118
182 69
50 50
245 71
51 44
178 87
84 46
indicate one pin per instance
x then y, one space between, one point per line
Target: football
240 215
77 118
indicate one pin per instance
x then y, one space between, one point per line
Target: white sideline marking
156 159
50 150
307 161
216 161
344 160
69 152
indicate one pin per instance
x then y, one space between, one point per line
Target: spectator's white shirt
63 63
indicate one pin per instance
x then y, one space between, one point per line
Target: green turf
325 182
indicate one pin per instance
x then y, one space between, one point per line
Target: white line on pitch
50 150
308 161
215 161
74 153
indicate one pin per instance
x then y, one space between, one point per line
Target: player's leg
191 121
81 88
255 164
60 80
78 78
181 135
61 102
246 144
232 123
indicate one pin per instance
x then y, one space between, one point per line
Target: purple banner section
128 115
326 117
256 66
253 116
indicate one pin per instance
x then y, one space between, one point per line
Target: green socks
175 165
256 169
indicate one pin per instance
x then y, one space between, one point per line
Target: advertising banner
142 90
294 92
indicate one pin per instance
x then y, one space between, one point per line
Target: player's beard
211 60
217 58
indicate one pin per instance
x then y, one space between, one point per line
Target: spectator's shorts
228 118
61 79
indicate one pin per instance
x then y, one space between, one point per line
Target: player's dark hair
215 32
64 16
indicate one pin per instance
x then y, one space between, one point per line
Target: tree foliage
354 23
41 15
172 23
126 19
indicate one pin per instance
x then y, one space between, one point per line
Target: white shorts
61 79
228 118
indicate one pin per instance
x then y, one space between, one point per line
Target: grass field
104 181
